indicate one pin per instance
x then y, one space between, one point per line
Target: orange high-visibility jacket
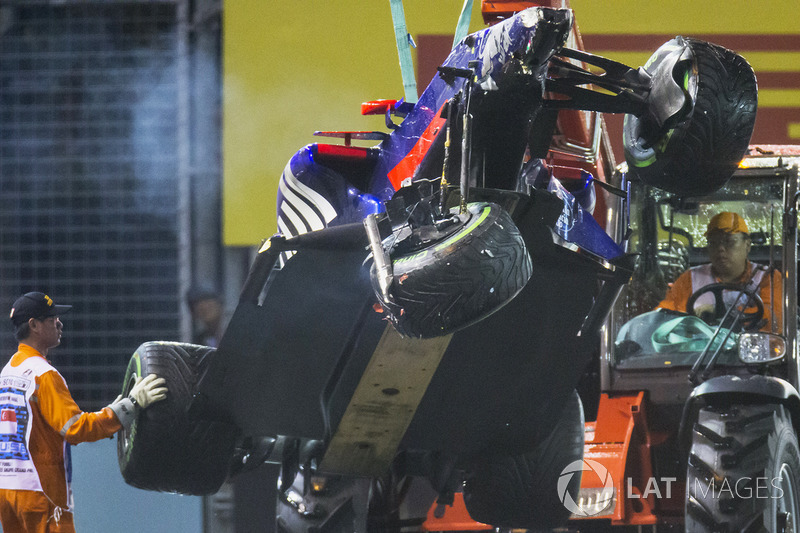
682 289
56 419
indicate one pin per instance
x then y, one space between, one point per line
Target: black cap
35 305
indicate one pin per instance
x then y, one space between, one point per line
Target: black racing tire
165 448
699 153
462 278
521 491
744 471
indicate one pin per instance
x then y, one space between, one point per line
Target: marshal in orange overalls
38 419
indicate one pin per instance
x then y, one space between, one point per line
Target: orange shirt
56 418
681 290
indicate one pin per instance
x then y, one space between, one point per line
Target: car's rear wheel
699 153
471 269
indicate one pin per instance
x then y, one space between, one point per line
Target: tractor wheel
522 491
478 265
698 154
744 471
166 449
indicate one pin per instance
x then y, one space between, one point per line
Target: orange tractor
696 418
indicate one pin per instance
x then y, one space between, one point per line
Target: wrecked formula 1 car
416 331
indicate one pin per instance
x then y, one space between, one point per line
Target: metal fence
89 166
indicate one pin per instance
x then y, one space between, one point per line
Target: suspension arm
629 88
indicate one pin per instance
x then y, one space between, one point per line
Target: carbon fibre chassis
290 366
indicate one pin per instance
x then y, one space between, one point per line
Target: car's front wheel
522 491
166 449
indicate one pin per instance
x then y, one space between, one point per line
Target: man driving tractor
728 248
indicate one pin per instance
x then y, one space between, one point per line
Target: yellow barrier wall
766 33
291 68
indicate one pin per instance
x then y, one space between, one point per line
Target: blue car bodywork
302 335
325 185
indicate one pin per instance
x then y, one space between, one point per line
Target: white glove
125 411
147 391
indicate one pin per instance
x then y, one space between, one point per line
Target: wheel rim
786 508
125 433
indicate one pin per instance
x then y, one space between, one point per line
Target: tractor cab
669 236
681 385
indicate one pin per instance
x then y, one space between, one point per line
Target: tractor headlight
594 502
759 348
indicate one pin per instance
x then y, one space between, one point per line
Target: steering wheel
748 321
